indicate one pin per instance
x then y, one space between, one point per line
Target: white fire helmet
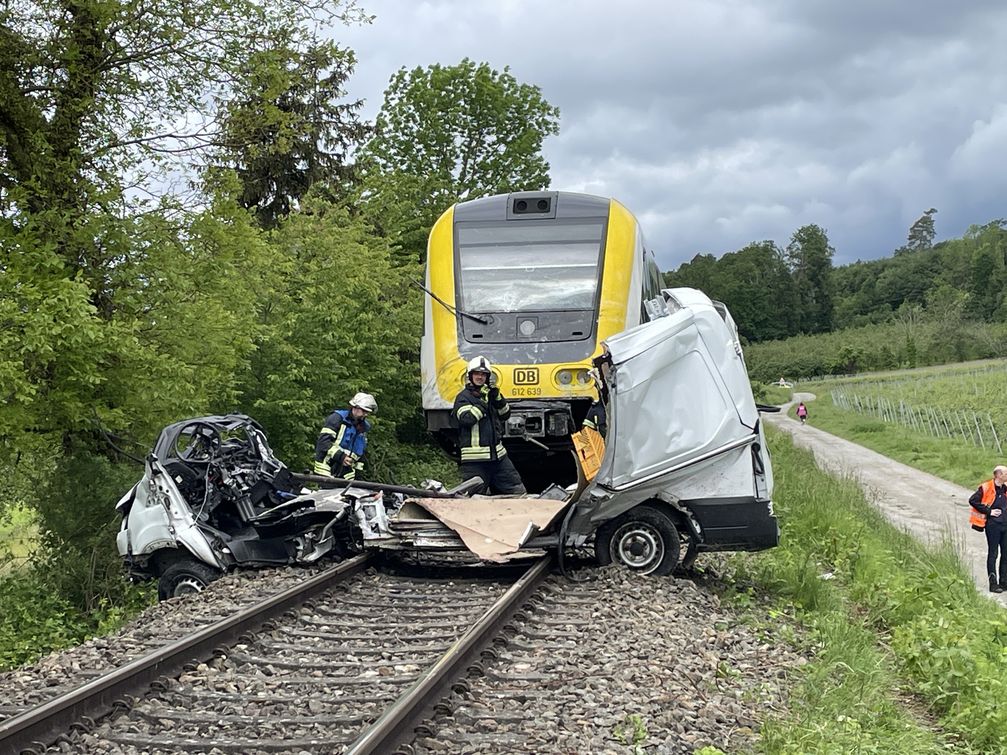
364 401
479 364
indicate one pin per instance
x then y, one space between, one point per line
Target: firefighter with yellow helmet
480 411
340 447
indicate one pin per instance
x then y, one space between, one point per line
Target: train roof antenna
453 310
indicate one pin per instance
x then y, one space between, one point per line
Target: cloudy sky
721 122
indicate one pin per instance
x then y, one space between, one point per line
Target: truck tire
184 577
644 539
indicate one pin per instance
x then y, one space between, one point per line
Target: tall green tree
90 89
809 256
988 273
753 282
286 128
340 318
117 314
921 233
90 92
446 134
701 272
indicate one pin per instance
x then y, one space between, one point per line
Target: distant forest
927 303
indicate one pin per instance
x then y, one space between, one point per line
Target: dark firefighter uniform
596 418
341 445
480 412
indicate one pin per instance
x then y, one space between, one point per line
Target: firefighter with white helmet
340 447
480 411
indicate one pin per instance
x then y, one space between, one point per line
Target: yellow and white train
533 281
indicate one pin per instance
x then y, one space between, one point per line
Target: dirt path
926 506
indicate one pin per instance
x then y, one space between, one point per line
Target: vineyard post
979 431
995 437
961 426
945 421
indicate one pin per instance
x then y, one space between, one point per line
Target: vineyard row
968 425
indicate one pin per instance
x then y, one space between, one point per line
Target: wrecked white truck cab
684 469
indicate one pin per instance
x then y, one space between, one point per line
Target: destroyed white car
213 496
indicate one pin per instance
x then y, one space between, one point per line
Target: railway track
345 662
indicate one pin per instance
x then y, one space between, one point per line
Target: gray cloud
721 122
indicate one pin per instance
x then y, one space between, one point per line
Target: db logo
526 376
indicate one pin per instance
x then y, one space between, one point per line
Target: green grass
18 534
771 394
907 655
947 458
36 617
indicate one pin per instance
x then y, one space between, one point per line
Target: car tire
644 540
184 577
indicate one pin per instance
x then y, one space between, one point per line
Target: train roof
561 205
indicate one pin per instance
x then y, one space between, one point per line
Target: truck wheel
643 539
184 577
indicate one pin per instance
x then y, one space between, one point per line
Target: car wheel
184 577
643 539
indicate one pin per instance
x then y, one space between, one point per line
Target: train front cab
534 281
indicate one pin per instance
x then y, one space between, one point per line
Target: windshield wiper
453 310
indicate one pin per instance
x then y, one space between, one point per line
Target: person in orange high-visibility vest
989 514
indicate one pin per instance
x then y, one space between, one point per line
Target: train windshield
529 266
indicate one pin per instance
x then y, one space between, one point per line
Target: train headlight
526 327
564 377
583 377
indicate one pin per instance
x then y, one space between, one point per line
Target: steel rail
39 727
395 725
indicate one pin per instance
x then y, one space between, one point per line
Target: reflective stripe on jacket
480 424
341 445
977 518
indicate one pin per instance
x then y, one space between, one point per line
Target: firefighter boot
994 585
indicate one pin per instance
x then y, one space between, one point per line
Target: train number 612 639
522 391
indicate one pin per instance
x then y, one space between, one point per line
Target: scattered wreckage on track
684 469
